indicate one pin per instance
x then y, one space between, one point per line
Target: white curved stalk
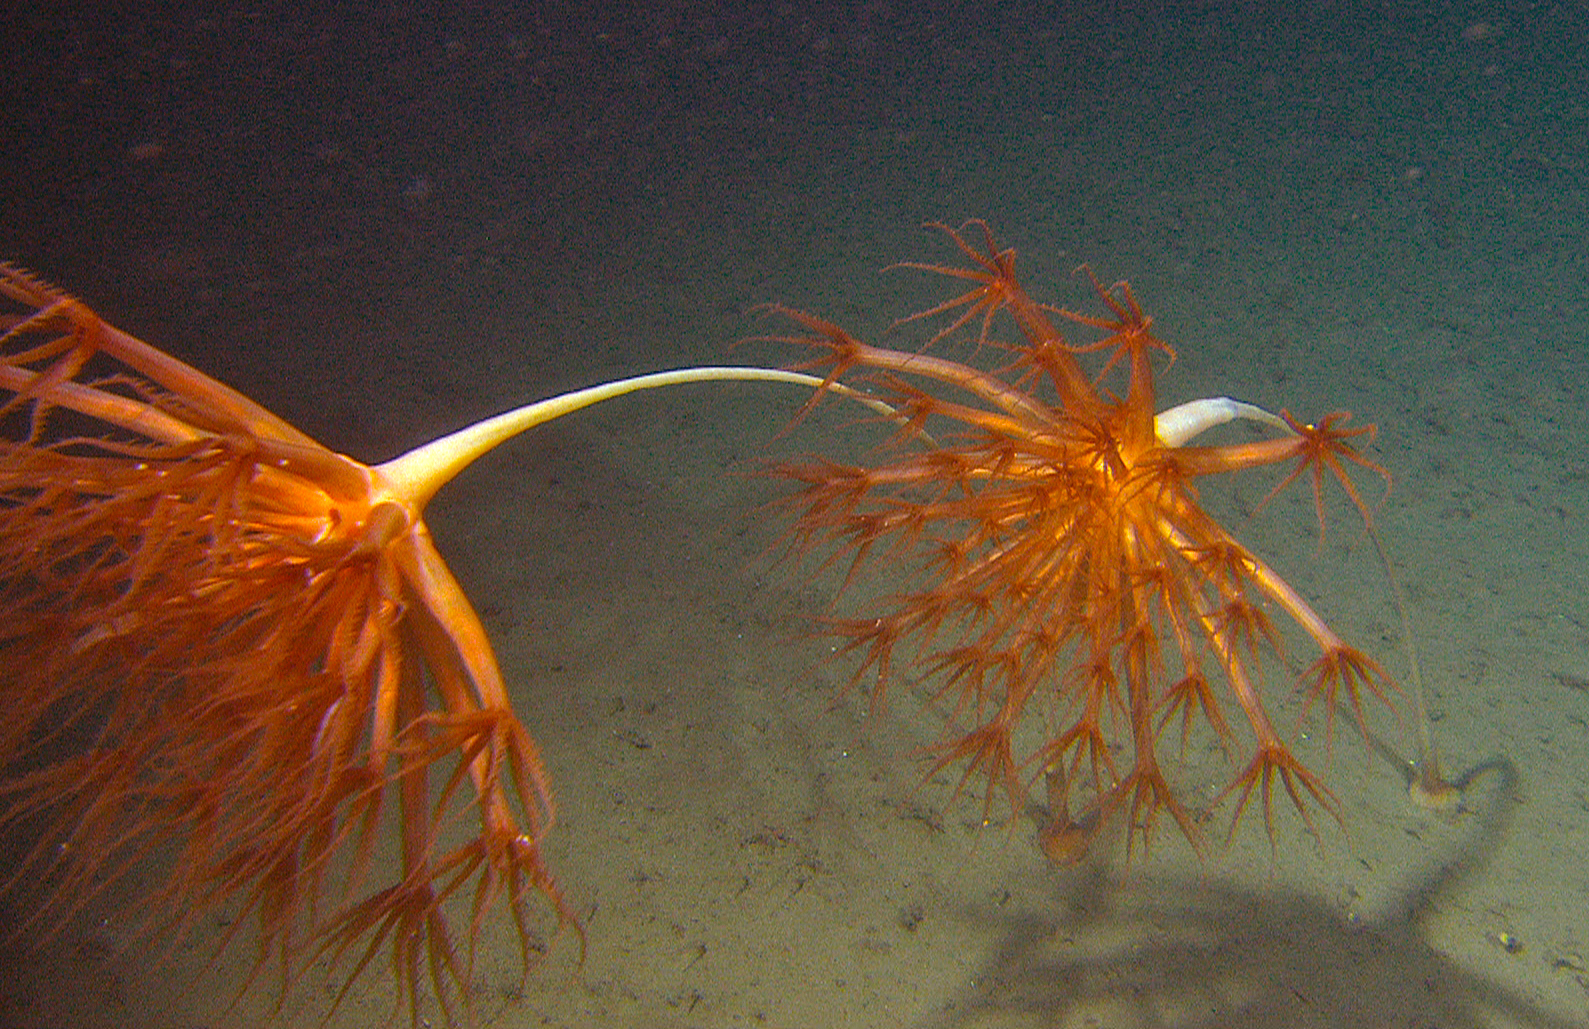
1183 422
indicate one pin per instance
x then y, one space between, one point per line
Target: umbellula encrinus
240 654
1071 601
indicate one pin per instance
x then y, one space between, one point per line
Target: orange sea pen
1070 594
235 652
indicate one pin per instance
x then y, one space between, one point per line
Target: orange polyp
1062 555
248 631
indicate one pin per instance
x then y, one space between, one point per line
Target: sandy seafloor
384 221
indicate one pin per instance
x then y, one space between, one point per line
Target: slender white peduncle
413 478
1183 422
